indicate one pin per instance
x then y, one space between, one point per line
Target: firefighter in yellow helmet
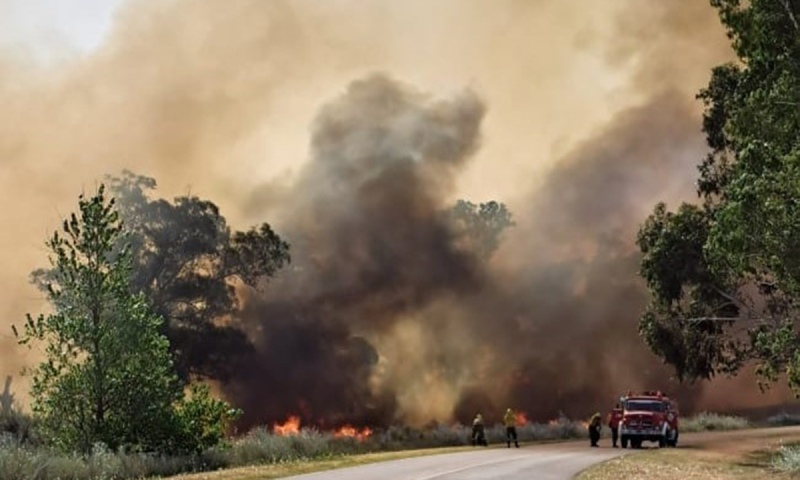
510 421
595 424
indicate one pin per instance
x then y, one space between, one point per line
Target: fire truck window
644 406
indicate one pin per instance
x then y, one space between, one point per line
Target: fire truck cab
648 417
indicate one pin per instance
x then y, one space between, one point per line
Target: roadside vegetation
23 455
709 422
682 463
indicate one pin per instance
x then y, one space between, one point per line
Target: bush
705 421
25 461
787 459
784 419
18 426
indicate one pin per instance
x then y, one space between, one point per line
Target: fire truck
648 417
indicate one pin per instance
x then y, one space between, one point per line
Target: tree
479 228
187 263
107 374
725 276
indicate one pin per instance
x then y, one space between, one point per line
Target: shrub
787 459
784 419
706 421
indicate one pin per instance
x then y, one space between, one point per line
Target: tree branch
736 301
714 319
788 7
723 319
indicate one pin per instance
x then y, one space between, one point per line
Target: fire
521 418
348 431
290 427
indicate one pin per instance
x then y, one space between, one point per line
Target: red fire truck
648 417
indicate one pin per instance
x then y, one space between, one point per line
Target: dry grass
680 463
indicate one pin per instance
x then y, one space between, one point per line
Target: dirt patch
741 455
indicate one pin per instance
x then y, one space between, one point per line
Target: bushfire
348 431
292 427
521 419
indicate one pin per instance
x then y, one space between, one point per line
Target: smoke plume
578 119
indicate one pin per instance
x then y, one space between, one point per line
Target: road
541 462
560 461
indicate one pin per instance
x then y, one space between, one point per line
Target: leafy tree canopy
187 262
725 275
108 375
479 227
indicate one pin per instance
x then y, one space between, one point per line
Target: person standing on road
613 423
510 421
594 429
478 433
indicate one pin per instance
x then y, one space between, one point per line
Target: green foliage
787 459
186 262
202 419
257 447
108 376
725 276
707 422
478 228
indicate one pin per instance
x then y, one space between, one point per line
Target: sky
52 30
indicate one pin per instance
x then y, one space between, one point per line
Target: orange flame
290 427
521 419
348 431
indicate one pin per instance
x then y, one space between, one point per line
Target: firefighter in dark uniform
478 432
595 424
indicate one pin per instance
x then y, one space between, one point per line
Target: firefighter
594 429
478 433
613 423
510 421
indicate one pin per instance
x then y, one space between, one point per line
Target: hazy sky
219 98
49 28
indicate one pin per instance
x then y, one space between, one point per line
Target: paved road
542 462
558 461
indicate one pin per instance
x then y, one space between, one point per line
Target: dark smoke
371 245
548 328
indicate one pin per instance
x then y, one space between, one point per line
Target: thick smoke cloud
579 119
370 244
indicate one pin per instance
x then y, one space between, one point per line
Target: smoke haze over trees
576 122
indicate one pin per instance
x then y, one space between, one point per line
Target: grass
262 454
672 464
279 470
787 459
707 422
309 450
